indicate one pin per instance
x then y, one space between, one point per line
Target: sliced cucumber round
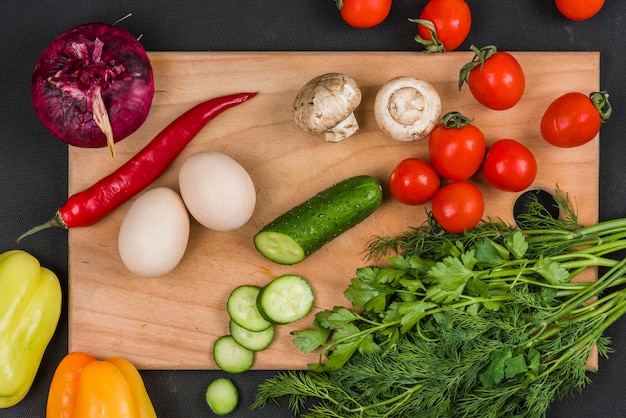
252 340
230 356
242 308
222 396
285 299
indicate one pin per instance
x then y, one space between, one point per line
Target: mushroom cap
407 108
325 101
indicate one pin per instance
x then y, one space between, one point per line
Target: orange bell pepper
85 387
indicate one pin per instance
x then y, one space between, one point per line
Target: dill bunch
486 323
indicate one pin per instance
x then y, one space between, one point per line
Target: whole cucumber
298 233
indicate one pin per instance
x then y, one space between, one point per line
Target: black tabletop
33 165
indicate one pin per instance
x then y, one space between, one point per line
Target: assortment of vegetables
468 317
83 386
30 308
486 323
93 85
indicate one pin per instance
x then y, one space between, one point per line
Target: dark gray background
33 182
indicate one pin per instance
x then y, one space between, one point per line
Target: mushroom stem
344 129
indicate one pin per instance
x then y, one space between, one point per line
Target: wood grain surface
171 322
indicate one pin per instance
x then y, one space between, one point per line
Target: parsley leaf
450 277
551 270
495 371
516 243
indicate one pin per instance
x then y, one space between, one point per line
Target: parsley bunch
488 323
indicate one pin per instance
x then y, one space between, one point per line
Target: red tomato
456 150
509 166
451 19
579 9
495 78
364 13
574 119
413 181
458 206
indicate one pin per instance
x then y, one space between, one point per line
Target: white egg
217 190
154 233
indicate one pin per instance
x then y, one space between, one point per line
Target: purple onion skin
71 70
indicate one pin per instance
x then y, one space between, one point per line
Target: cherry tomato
509 165
456 147
413 181
574 119
495 78
443 25
579 9
364 13
458 206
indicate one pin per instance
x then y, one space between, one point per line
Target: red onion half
93 85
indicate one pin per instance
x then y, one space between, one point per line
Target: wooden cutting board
172 322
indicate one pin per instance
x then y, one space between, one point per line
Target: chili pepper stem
55 222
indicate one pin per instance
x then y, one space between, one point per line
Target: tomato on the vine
364 13
413 181
458 206
495 78
574 118
509 165
579 9
443 25
456 147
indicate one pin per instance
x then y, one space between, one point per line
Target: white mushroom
407 109
325 105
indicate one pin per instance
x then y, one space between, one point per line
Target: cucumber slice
242 308
222 396
285 299
230 356
252 340
298 233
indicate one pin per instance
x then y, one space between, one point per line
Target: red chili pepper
91 205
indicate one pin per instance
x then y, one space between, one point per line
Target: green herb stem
605 319
396 401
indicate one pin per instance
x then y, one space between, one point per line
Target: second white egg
154 233
218 192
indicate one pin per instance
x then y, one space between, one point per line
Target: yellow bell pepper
30 307
88 388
